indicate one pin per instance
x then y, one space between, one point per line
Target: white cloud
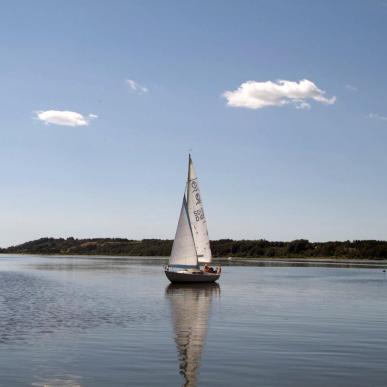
376 116
136 87
303 106
64 117
257 95
348 86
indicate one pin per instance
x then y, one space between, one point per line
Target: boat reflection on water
190 309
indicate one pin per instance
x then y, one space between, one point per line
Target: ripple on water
31 306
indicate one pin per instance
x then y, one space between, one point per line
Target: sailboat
191 246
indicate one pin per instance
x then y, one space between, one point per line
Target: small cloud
376 116
303 105
136 87
351 87
257 95
64 117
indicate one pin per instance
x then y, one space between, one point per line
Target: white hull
182 277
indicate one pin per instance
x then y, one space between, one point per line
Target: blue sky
278 172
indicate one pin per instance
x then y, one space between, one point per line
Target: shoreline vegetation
301 248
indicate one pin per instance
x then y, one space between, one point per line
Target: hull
175 277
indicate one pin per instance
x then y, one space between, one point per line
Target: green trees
298 246
260 248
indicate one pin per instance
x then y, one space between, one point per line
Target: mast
188 176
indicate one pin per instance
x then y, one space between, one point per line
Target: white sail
183 249
197 217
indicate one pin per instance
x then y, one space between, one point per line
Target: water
115 322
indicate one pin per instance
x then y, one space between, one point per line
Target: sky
282 104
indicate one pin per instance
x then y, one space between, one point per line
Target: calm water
111 322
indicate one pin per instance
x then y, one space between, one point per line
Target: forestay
197 217
183 249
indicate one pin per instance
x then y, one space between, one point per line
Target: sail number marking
199 214
195 188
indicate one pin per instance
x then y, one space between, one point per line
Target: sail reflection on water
190 308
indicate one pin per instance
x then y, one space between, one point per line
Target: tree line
300 248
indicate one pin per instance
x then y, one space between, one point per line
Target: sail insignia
197 217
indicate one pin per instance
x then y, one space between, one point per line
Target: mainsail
196 216
183 249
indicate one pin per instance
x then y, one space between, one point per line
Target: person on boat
208 269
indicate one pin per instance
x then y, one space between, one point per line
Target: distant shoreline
226 261
229 259
240 250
